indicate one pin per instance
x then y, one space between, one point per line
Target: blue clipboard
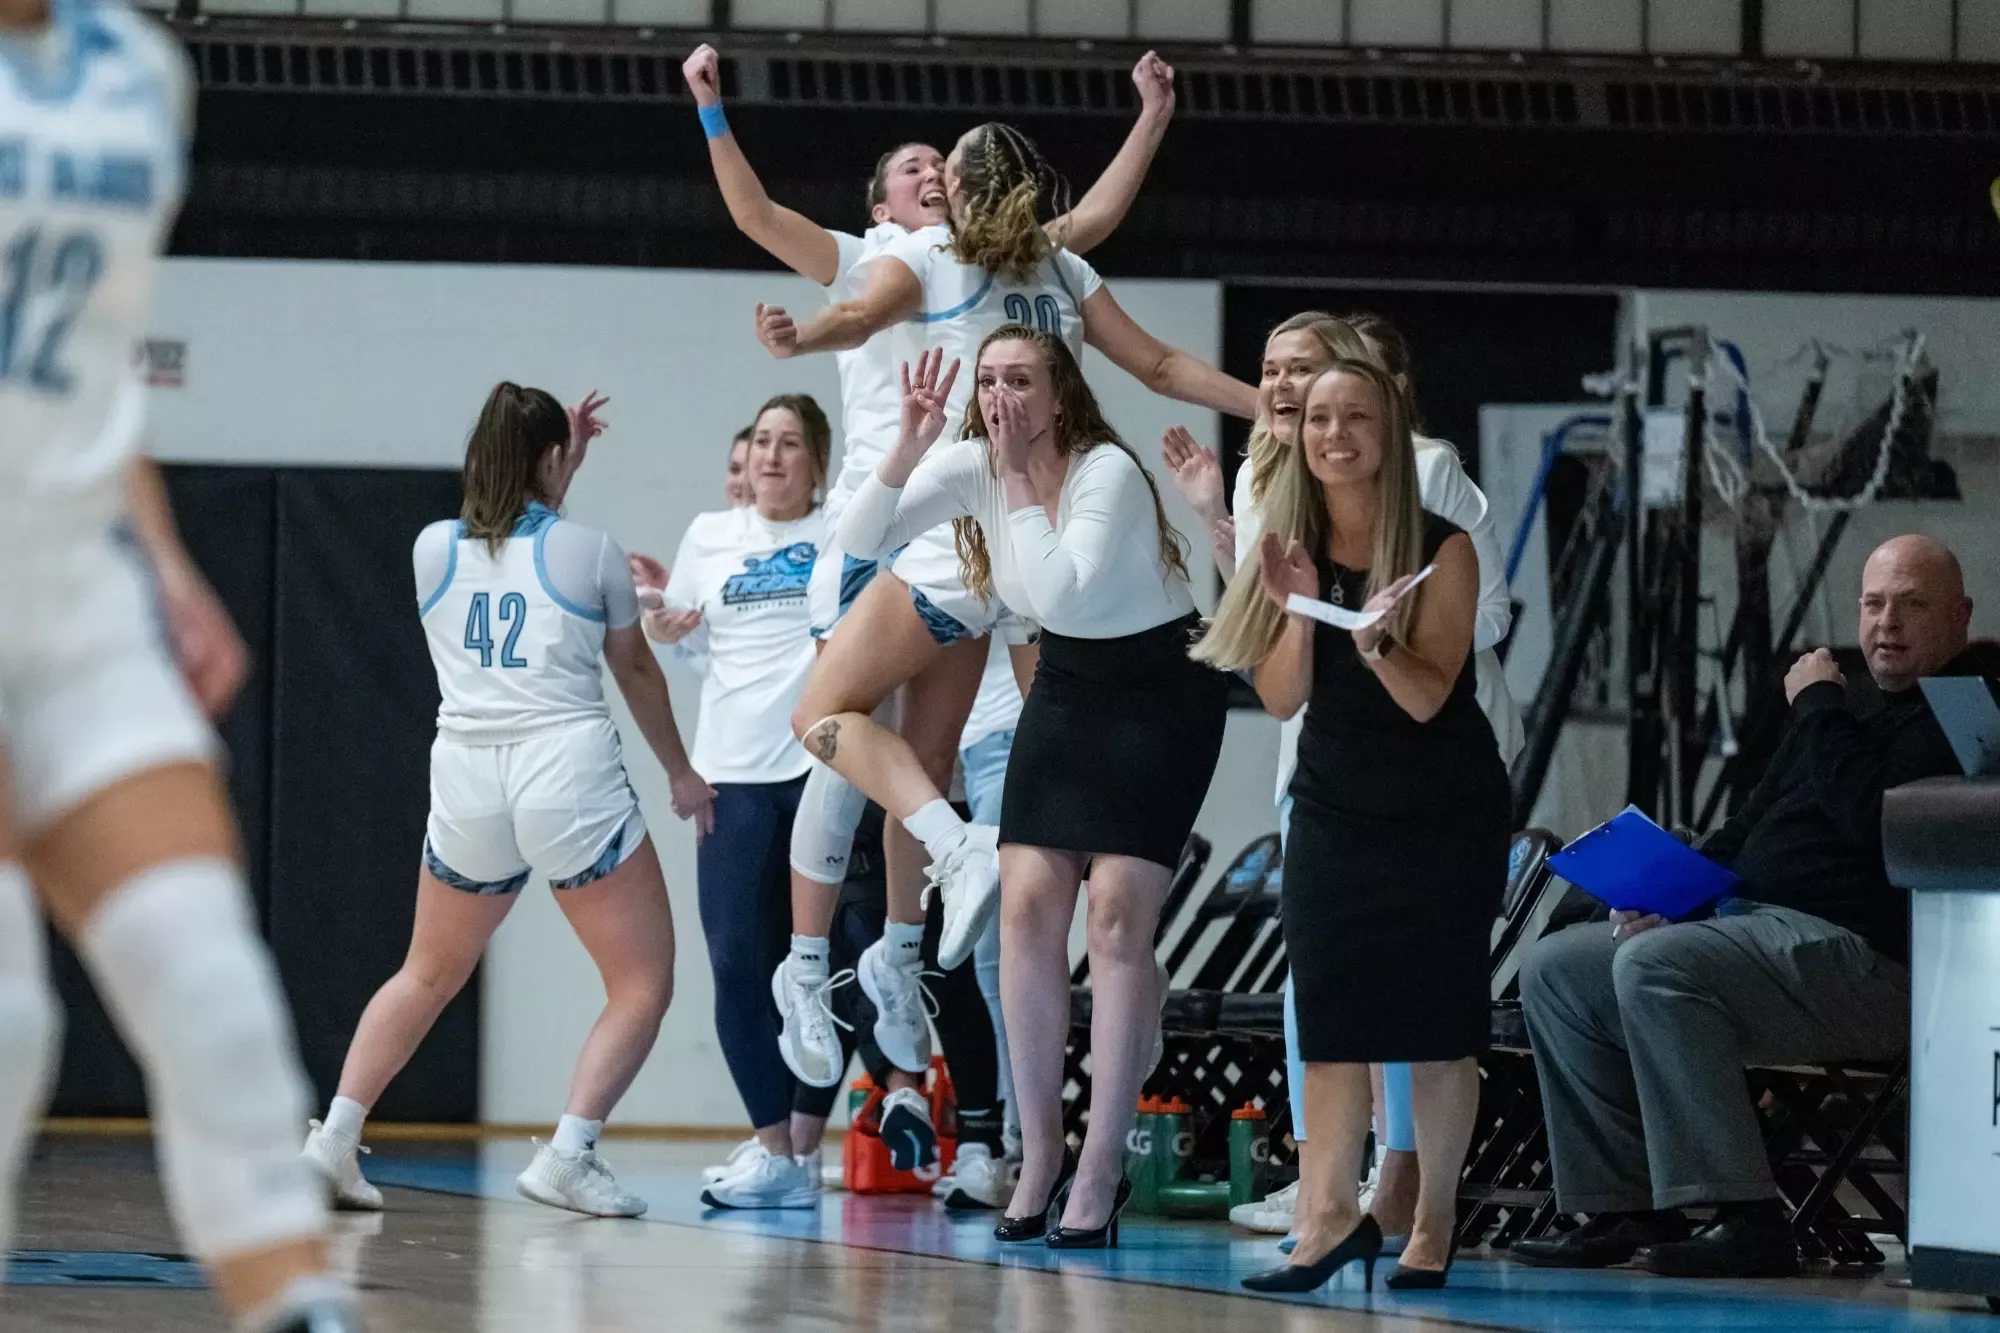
1632 864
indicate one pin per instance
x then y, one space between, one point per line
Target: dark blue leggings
743 868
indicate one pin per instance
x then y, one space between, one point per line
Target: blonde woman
1396 855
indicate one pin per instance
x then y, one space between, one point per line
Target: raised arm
1165 370
1450 494
1284 678
1106 202
892 295
909 493
795 240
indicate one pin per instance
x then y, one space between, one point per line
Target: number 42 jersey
94 120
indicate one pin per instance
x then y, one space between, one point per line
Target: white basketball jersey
514 654
871 391
92 167
962 304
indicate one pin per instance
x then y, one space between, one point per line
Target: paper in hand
1342 618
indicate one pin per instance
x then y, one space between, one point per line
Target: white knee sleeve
823 830
30 1028
174 956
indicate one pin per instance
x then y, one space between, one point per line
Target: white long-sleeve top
1093 573
1446 491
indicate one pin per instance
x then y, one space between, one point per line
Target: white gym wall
330 364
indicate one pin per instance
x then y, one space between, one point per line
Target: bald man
1642 1028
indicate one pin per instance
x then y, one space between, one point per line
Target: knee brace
173 954
830 810
30 1031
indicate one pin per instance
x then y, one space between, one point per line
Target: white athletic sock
575 1135
809 953
30 1027
937 826
346 1116
904 943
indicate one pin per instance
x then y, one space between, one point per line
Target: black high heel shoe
1034 1226
1406 1278
1093 1238
1363 1243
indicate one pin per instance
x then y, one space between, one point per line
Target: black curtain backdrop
327 756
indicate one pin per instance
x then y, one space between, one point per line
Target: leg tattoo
824 741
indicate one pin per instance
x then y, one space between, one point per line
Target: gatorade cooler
1139 1157
1249 1154
864 1159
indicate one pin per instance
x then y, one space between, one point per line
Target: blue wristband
713 121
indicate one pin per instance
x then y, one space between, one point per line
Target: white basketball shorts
557 803
929 565
89 693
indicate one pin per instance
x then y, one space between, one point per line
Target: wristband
713 122
1379 651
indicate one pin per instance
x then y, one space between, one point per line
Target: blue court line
1203 1257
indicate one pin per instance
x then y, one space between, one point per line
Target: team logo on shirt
777 577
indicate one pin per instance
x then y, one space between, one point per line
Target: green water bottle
1249 1154
1173 1141
1139 1157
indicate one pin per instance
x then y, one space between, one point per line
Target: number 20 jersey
93 128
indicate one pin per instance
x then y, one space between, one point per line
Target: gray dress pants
1640 1046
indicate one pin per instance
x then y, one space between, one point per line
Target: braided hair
1005 180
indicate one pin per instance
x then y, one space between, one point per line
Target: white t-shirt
871 394
1446 491
998 705
517 637
94 120
962 304
1095 573
748 577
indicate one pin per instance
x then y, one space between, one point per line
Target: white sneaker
903 1008
773 1182
907 1131
582 1184
336 1159
977 1180
808 1042
833 1175
742 1155
969 878
1271 1215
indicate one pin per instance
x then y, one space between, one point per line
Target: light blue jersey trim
963 307
534 520
450 568
81 34
541 532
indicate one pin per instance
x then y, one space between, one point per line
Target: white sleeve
614 586
915 251
1447 492
1249 522
1077 275
431 560
878 518
849 250
1066 572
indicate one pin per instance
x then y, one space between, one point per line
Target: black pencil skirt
1116 745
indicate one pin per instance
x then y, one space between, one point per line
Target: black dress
1396 859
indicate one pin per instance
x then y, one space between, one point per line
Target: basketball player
113 821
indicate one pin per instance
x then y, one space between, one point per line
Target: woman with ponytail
1114 749
524 611
1397 850
949 287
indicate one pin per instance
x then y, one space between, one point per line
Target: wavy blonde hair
1342 343
1080 427
1006 180
1247 624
